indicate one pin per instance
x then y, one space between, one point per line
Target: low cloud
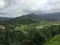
14 8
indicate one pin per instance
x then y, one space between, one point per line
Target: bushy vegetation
28 34
54 41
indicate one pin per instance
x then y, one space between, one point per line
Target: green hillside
29 30
28 34
54 41
27 19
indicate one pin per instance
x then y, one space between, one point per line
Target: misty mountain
26 19
4 18
49 16
31 18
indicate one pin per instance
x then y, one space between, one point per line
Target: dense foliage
28 34
54 41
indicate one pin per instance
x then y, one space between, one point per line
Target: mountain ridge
32 18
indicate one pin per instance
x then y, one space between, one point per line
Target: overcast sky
14 8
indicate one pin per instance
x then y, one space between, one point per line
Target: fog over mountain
14 8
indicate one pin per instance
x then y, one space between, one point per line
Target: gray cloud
13 8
